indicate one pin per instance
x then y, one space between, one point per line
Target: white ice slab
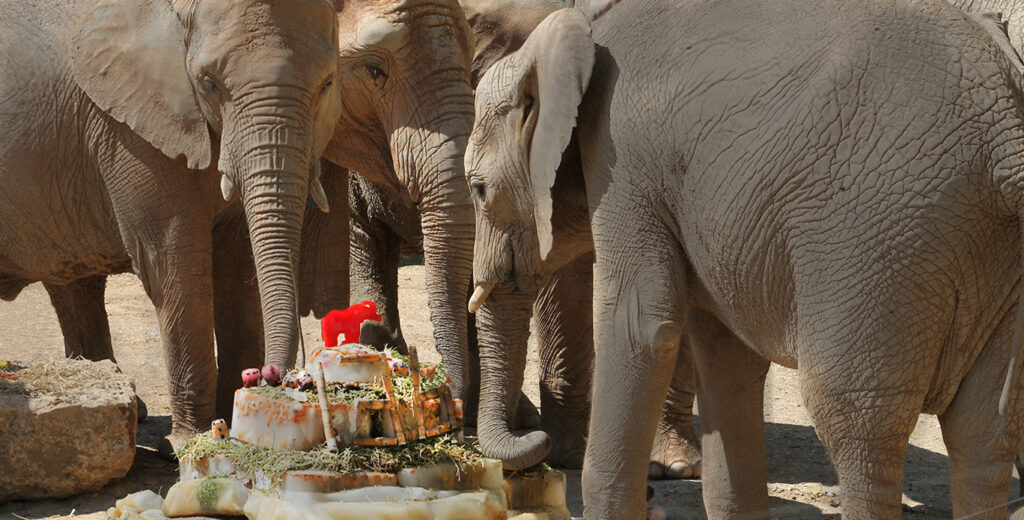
378 503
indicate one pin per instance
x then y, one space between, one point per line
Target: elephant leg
177 275
324 260
676 452
566 335
638 322
1019 464
83 323
981 443
237 315
730 379
83 317
471 398
863 413
376 250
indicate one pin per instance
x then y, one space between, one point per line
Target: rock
66 427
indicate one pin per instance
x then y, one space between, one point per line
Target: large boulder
66 427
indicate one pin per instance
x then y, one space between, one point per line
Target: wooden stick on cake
417 398
325 409
389 389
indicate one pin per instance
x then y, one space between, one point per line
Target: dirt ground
802 484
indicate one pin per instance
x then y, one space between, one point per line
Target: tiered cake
358 434
364 407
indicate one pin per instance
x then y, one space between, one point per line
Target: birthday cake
354 434
365 409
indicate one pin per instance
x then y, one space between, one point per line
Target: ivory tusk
479 295
319 196
316 189
227 187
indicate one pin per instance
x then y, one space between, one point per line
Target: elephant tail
1014 369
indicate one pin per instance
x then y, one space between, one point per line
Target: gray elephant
237 319
385 225
119 121
1005 19
832 186
406 115
565 337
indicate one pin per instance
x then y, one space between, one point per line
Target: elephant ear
555 62
128 56
996 27
501 26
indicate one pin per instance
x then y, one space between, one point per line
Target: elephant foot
676 453
141 411
168 446
527 414
378 336
567 450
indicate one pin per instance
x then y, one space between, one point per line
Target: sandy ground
802 484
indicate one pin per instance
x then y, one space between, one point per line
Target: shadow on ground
798 469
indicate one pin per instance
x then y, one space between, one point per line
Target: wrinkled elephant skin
125 126
832 186
407 109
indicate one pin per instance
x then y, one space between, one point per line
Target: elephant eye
326 86
480 190
377 74
527 107
208 86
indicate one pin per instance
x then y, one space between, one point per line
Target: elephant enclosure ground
802 481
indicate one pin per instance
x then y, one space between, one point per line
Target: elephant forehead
370 26
497 89
304 27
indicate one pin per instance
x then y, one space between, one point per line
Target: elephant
830 186
501 27
125 126
238 325
407 109
385 226
381 127
1009 17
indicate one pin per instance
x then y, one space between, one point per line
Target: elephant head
222 82
407 109
526 107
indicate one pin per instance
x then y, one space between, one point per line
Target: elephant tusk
479 295
227 187
316 188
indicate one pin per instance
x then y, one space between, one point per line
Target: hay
349 393
53 377
249 458
403 384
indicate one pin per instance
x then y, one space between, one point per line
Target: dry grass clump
49 377
336 393
250 458
345 393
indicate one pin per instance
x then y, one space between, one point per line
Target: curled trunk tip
516 453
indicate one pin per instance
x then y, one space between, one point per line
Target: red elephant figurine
347 322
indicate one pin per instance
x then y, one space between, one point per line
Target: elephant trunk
448 224
273 164
504 326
